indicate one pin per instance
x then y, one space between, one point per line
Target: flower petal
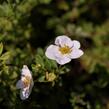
51 51
31 86
19 85
63 40
63 60
25 71
76 53
24 93
76 44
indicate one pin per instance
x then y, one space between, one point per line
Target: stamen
26 81
65 49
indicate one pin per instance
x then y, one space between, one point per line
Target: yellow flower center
65 49
26 81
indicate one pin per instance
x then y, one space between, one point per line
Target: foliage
27 27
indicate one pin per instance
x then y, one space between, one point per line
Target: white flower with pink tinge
64 50
25 83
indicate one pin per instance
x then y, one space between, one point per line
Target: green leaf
39 60
54 64
5 56
40 51
1 48
48 64
45 1
41 79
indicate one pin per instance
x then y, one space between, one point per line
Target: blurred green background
27 27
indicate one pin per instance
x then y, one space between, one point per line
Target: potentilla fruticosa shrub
40 54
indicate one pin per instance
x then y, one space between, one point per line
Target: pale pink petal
63 40
76 44
25 71
24 93
19 84
63 60
52 51
76 53
31 86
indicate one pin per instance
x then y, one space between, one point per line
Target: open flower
64 50
25 83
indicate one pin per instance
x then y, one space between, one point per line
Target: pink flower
64 50
25 83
